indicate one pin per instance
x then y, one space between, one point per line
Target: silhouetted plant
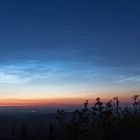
135 103
99 105
116 103
61 117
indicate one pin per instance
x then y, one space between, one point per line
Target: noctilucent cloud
69 48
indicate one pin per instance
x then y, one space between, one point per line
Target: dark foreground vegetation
102 122
108 121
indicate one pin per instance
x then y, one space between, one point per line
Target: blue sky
69 48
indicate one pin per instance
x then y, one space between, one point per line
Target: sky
56 49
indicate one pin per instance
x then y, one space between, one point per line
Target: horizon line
40 102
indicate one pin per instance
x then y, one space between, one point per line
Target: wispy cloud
61 73
21 73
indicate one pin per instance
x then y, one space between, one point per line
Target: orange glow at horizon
55 102
40 102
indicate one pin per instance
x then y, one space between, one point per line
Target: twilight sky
69 48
